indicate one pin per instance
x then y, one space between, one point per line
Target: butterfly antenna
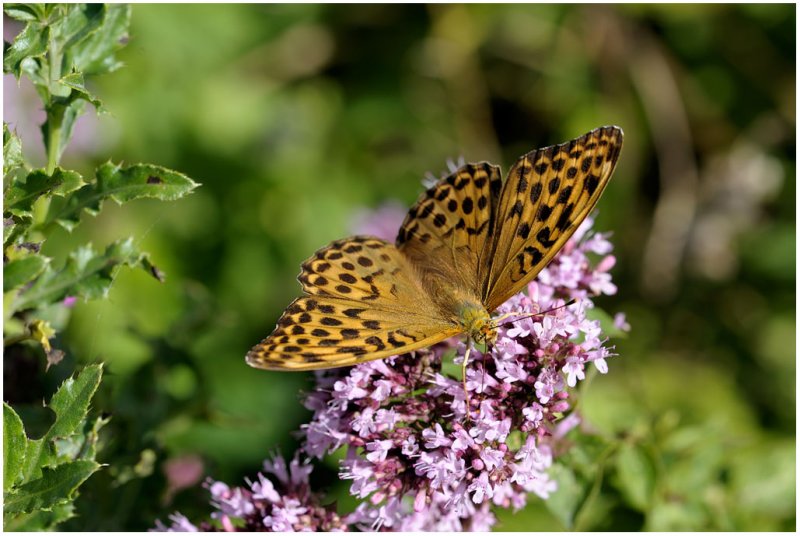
499 321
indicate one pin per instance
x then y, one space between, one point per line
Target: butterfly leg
464 376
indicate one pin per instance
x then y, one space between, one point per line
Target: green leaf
56 486
74 81
40 520
86 274
25 12
568 497
31 42
74 23
12 151
636 475
14 445
71 401
121 185
94 54
20 271
20 197
70 404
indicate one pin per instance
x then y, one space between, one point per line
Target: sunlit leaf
20 271
12 151
14 445
94 54
121 184
31 42
55 486
20 196
87 274
40 520
24 12
74 81
70 405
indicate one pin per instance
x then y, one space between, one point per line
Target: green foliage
58 47
122 185
294 115
42 475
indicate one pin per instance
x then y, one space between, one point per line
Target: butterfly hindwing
364 302
546 196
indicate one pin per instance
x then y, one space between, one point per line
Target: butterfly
469 243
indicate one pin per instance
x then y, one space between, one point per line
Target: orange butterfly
469 243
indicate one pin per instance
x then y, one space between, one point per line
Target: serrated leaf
94 54
70 404
86 274
636 476
12 151
75 22
14 445
24 12
74 81
15 227
121 184
31 42
20 196
18 272
56 486
40 520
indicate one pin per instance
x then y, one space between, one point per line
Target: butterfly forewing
444 233
546 196
365 302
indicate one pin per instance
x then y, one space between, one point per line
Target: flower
423 455
441 461
282 503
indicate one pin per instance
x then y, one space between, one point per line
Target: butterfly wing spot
543 214
564 195
536 192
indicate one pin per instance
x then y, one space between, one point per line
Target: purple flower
282 504
422 455
179 524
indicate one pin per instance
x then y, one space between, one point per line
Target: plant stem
53 123
55 113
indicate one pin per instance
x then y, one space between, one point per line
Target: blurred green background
295 117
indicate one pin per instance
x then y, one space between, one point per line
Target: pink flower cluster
422 454
283 503
416 458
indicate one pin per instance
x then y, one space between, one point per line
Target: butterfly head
478 324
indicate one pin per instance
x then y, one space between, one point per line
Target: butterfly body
476 322
470 242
